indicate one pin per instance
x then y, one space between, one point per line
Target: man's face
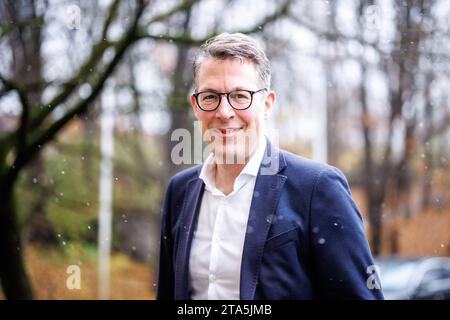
232 134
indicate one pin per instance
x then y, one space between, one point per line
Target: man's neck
226 174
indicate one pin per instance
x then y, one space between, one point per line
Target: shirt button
212 278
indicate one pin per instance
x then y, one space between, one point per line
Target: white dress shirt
218 243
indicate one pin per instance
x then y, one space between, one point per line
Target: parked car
415 278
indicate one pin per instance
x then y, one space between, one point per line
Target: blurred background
91 92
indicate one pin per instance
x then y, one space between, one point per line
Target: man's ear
194 105
269 103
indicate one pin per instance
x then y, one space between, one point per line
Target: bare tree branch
11 25
439 129
109 18
23 127
85 70
185 5
335 36
188 39
280 12
82 105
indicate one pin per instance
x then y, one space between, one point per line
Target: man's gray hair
230 46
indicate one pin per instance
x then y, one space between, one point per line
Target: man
256 222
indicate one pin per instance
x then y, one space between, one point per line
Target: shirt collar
252 166
208 172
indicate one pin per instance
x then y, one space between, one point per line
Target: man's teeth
229 130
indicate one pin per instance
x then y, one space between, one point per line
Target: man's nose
225 110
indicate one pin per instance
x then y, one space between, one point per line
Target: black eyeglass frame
195 95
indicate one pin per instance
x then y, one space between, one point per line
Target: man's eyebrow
232 89
208 89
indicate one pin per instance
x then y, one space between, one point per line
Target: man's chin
230 155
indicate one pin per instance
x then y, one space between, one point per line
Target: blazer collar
269 183
189 216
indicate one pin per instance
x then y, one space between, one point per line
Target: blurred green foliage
70 184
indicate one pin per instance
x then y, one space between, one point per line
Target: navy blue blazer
305 236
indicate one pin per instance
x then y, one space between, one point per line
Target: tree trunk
178 99
376 226
14 279
333 106
371 179
428 146
26 68
393 241
39 226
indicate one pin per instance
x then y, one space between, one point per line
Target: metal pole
105 193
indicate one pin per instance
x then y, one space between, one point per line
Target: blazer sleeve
340 251
165 289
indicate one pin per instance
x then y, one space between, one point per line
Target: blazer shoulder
306 167
305 174
176 189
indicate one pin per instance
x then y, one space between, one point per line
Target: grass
47 270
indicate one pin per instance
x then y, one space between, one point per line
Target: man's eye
209 97
240 96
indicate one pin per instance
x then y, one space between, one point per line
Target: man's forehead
234 88
242 74
236 61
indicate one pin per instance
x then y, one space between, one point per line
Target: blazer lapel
189 218
268 188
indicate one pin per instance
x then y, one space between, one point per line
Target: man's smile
229 132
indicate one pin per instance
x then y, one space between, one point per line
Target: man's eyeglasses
238 99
